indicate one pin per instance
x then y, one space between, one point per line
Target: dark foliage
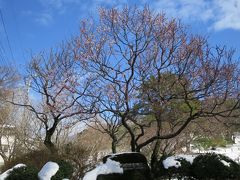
65 170
211 166
205 166
173 172
23 173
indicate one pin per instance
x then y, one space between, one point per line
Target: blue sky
36 25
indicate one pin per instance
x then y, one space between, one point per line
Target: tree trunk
154 156
131 133
49 144
5 158
114 144
48 138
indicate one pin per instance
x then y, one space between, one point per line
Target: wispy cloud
218 14
221 14
41 18
44 18
58 6
228 15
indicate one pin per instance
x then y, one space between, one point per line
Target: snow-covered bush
38 158
50 171
5 174
23 173
35 158
215 166
174 166
204 166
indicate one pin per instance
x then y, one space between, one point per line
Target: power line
2 54
6 34
2 58
19 36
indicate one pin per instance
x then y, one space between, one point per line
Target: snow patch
109 167
225 163
6 173
120 153
171 162
48 170
188 158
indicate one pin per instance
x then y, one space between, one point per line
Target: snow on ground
115 154
233 152
173 162
6 173
48 170
109 167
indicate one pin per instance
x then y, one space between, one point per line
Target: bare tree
110 124
60 89
8 141
8 79
148 64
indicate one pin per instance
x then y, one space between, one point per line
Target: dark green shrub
173 172
179 172
205 166
23 173
233 168
210 166
65 170
183 170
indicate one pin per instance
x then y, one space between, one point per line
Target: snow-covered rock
107 168
48 170
6 173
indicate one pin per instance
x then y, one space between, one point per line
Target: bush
207 143
23 173
233 168
65 170
206 166
81 158
39 158
211 166
173 172
35 158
